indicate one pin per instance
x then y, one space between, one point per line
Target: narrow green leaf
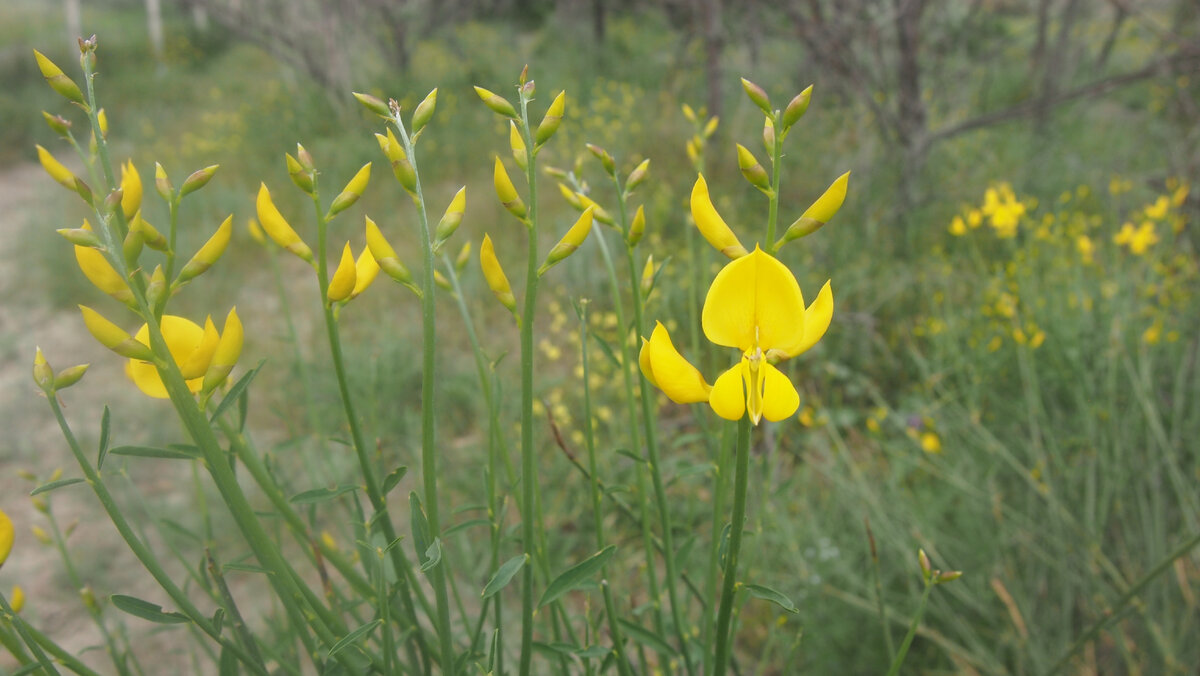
630 454
701 468
236 391
146 610
27 669
353 636
47 487
175 453
572 577
245 568
228 665
419 526
393 478
218 619
647 638
607 349
765 593
504 575
182 530
321 494
465 525
593 652
105 428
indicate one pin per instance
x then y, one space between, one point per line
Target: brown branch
1101 86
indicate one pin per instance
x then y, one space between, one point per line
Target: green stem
528 462
773 196
729 584
13 645
429 450
23 630
404 571
720 492
912 630
143 553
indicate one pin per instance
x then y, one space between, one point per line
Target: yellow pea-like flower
114 337
366 269
131 190
228 351
209 253
507 192
344 278
100 272
754 305
55 168
497 281
184 340
6 536
710 223
277 228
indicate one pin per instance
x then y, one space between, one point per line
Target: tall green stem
528 466
773 201
429 451
729 584
912 630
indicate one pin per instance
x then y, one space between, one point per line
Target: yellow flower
931 443
756 306
191 347
6 536
131 190
710 223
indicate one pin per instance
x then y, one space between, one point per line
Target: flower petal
754 301
644 362
183 338
780 399
728 398
816 322
6 536
710 223
673 374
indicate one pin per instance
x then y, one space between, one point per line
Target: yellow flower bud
100 272
131 190
753 170
256 232
342 283
373 104
56 170
424 112
597 210
227 353
197 363
517 144
43 375
366 269
17 600
112 336
385 256
552 119
570 241
768 136
452 218
163 184
156 290
821 211
647 282
149 234
277 228
401 167
464 255
637 176
570 196
710 223
57 123
209 253
41 535
606 160
497 281
638 227
689 114
300 176
197 180
757 95
796 109
131 248
498 104
58 80
710 127
81 237
507 192
441 281
102 120
353 190
39 503
69 376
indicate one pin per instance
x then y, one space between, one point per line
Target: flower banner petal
754 301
